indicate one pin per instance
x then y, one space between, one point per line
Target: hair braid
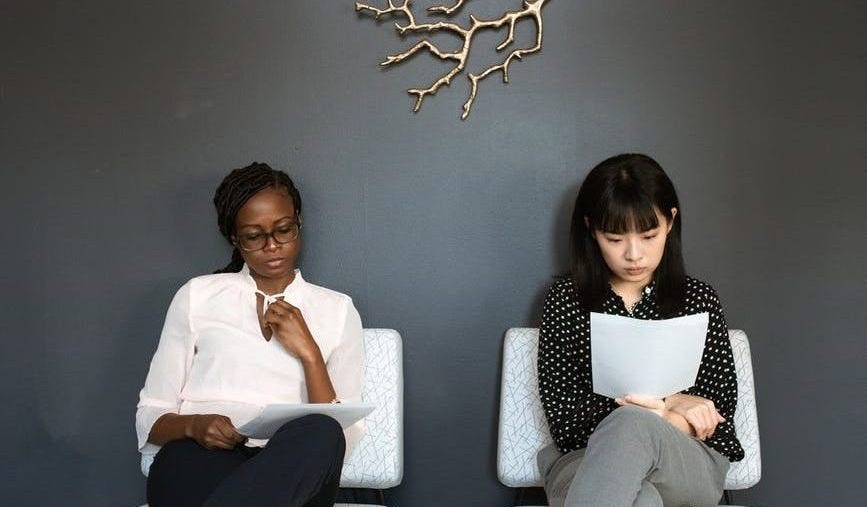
236 189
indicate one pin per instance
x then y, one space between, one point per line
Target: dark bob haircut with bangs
619 195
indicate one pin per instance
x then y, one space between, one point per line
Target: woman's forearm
170 427
319 387
679 422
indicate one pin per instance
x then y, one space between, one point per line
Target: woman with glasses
252 334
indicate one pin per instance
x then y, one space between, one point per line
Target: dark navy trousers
299 467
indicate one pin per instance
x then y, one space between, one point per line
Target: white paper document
655 358
273 416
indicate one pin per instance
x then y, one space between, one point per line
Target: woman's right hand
699 412
213 431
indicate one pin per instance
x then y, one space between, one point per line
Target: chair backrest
523 429
746 472
377 460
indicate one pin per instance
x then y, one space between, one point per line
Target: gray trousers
635 458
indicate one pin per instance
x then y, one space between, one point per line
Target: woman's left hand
288 326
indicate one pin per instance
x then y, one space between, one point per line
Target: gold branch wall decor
532 9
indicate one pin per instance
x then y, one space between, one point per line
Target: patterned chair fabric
377 460
746 472
523 429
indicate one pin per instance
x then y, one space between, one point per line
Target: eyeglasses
283 233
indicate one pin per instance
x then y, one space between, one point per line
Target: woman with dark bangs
627 261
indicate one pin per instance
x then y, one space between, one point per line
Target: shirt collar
297 283
650 288
646 291
648 297
293 288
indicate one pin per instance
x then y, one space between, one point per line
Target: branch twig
532 9
447 10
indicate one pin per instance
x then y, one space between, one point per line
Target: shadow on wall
138 334
46 457
194 226
559 251
561 257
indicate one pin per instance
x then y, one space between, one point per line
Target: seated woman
627 261
253 334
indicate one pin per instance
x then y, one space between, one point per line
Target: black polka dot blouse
565 380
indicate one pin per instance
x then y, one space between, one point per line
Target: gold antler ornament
532 9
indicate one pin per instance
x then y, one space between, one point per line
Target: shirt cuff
145 417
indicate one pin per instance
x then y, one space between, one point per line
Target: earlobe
671 222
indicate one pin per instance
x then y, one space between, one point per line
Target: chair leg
362 495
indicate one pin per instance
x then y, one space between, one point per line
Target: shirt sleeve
717 378
572 408
169 367
346 369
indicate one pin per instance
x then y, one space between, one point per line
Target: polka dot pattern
572 408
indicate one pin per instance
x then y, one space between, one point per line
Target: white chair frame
377 460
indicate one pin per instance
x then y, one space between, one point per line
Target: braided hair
236 188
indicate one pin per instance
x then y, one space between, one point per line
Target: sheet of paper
274 416
645 357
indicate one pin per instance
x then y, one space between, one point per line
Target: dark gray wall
117 120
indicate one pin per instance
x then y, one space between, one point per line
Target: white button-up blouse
213 359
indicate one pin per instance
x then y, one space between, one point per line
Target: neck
273 285
630 291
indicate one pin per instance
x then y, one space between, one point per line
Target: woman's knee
321 425
630 416
628 424
318 430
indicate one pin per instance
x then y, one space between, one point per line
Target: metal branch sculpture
532 9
